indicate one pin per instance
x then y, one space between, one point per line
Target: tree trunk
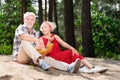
55 16
45 10
87 42
69 22
40 13
24 8
50 12
0 3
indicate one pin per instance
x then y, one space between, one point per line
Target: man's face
29 21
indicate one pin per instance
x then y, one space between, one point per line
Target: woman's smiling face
45 29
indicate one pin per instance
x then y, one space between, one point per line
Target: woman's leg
86 63
83 60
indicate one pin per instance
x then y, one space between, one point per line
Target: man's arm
30 38
27 37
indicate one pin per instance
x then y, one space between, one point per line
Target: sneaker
98 69
44 65
84 69
73 67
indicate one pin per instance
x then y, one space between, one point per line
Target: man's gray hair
29 13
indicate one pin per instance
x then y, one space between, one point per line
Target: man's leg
27 52
22 57
56 64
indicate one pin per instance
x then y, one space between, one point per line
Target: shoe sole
103 71
77 65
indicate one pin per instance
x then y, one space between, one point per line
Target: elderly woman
69 55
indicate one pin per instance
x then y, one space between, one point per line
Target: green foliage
109 7
5 49
10 18
106 37
7 27
106 30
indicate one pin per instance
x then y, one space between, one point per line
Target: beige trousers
28 53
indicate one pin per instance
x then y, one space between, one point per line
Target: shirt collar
24 25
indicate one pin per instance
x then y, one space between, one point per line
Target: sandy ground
10 70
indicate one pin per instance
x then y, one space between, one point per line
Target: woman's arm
66 45
63 43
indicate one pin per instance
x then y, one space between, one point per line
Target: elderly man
26 42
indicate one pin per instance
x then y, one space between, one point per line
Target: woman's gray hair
29 13
51 24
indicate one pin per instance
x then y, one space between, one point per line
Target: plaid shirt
17 41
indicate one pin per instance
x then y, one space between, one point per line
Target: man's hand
38 44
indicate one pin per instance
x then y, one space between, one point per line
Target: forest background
104 23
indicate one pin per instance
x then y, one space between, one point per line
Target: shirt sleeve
20 30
